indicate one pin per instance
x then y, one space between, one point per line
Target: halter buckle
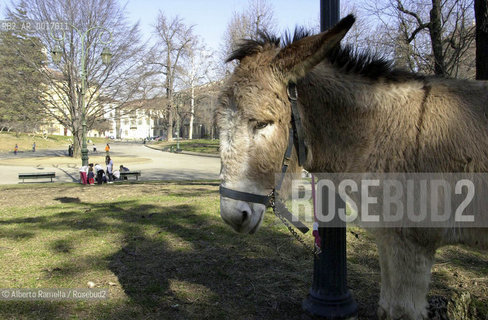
292 92
286 161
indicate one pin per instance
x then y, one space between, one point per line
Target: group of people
95 173
16 148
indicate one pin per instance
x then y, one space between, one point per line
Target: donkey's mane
345 58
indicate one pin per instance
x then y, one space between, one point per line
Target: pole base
330 307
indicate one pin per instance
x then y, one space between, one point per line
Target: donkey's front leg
405 277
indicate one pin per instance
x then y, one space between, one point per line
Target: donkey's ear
298 58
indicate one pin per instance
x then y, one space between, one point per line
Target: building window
126 122
139 122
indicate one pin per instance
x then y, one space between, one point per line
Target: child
91 175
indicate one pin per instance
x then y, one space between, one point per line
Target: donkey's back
453 126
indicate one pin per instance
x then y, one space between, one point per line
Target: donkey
358 115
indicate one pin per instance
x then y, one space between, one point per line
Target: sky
210 17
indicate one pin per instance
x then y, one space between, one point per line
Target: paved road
162 165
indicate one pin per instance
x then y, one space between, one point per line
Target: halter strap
245 196
296 124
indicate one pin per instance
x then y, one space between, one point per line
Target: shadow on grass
193 266
68 200
177 263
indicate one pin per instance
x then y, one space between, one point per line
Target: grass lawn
164 253
25 141
196 145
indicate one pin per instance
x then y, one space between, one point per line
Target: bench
130 174
37 175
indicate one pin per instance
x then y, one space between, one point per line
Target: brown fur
357 120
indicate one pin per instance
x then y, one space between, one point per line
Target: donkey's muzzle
242 216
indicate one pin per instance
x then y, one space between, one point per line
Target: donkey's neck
343 114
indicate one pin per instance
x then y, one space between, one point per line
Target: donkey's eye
262 124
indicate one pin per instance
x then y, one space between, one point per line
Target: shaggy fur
359 115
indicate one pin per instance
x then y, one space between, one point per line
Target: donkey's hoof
384 315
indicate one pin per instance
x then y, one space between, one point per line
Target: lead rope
314 250
315 228
295 133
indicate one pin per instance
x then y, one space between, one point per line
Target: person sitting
116 175
123 169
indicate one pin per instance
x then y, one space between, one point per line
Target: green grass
160 248
164 253
25 141
197 145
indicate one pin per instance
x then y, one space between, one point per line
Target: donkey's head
254 117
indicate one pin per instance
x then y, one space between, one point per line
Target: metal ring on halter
291 91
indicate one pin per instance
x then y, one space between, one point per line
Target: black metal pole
329 13
329 296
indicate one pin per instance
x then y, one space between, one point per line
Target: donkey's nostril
245 214
241 214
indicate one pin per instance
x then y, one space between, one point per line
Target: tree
258 17
481 13
20 83
113 84
437 37
174 42
198 69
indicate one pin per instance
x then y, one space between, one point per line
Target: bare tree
174 42
258 17
199 69
107 87
481 11
437 36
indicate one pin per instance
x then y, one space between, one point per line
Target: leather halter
295 140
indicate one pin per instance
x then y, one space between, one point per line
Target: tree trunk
170 122
118 131
435 30
77 133
481 13
169 94
192 113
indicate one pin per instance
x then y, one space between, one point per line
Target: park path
161 165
